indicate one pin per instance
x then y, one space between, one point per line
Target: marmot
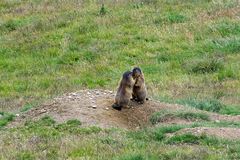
139 88
124 92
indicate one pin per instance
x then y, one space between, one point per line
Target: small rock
217 121
69 97
88 93
106 108
97 92
17 115
43 110
104 93
74 94
94 106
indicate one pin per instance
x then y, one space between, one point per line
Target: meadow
189 51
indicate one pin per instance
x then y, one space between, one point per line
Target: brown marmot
139 88
124 92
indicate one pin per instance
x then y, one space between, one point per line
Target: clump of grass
184 138
174 17
44 121
193 139
201 66
212 105
132 156
26 107
25 155
5 118
73 126
161 116
228 73
108 140
227 45
73 122
82 152
226 28
159 133
230 110
166 114
103 10
192 115
142 135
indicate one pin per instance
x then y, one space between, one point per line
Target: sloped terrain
93 108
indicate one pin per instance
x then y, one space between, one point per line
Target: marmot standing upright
139 88
125 91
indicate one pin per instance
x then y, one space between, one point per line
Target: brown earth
93 107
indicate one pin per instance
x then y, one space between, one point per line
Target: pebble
74 94
97 92
43 110
94 106
106 108
217 121
17 115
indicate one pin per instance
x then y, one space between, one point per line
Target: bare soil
94 107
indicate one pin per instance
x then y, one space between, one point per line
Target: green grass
5 118
75 46
207 105
164 115
26 107
192 139
60 142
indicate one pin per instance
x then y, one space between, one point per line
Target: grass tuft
5 118
212 105
165 115
201 66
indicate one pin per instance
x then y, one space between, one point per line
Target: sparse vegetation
164 115
207 105
26 107
5 118
104 143
204 66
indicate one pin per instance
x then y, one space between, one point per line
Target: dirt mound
93 107
226 133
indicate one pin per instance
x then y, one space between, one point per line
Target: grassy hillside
187 50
